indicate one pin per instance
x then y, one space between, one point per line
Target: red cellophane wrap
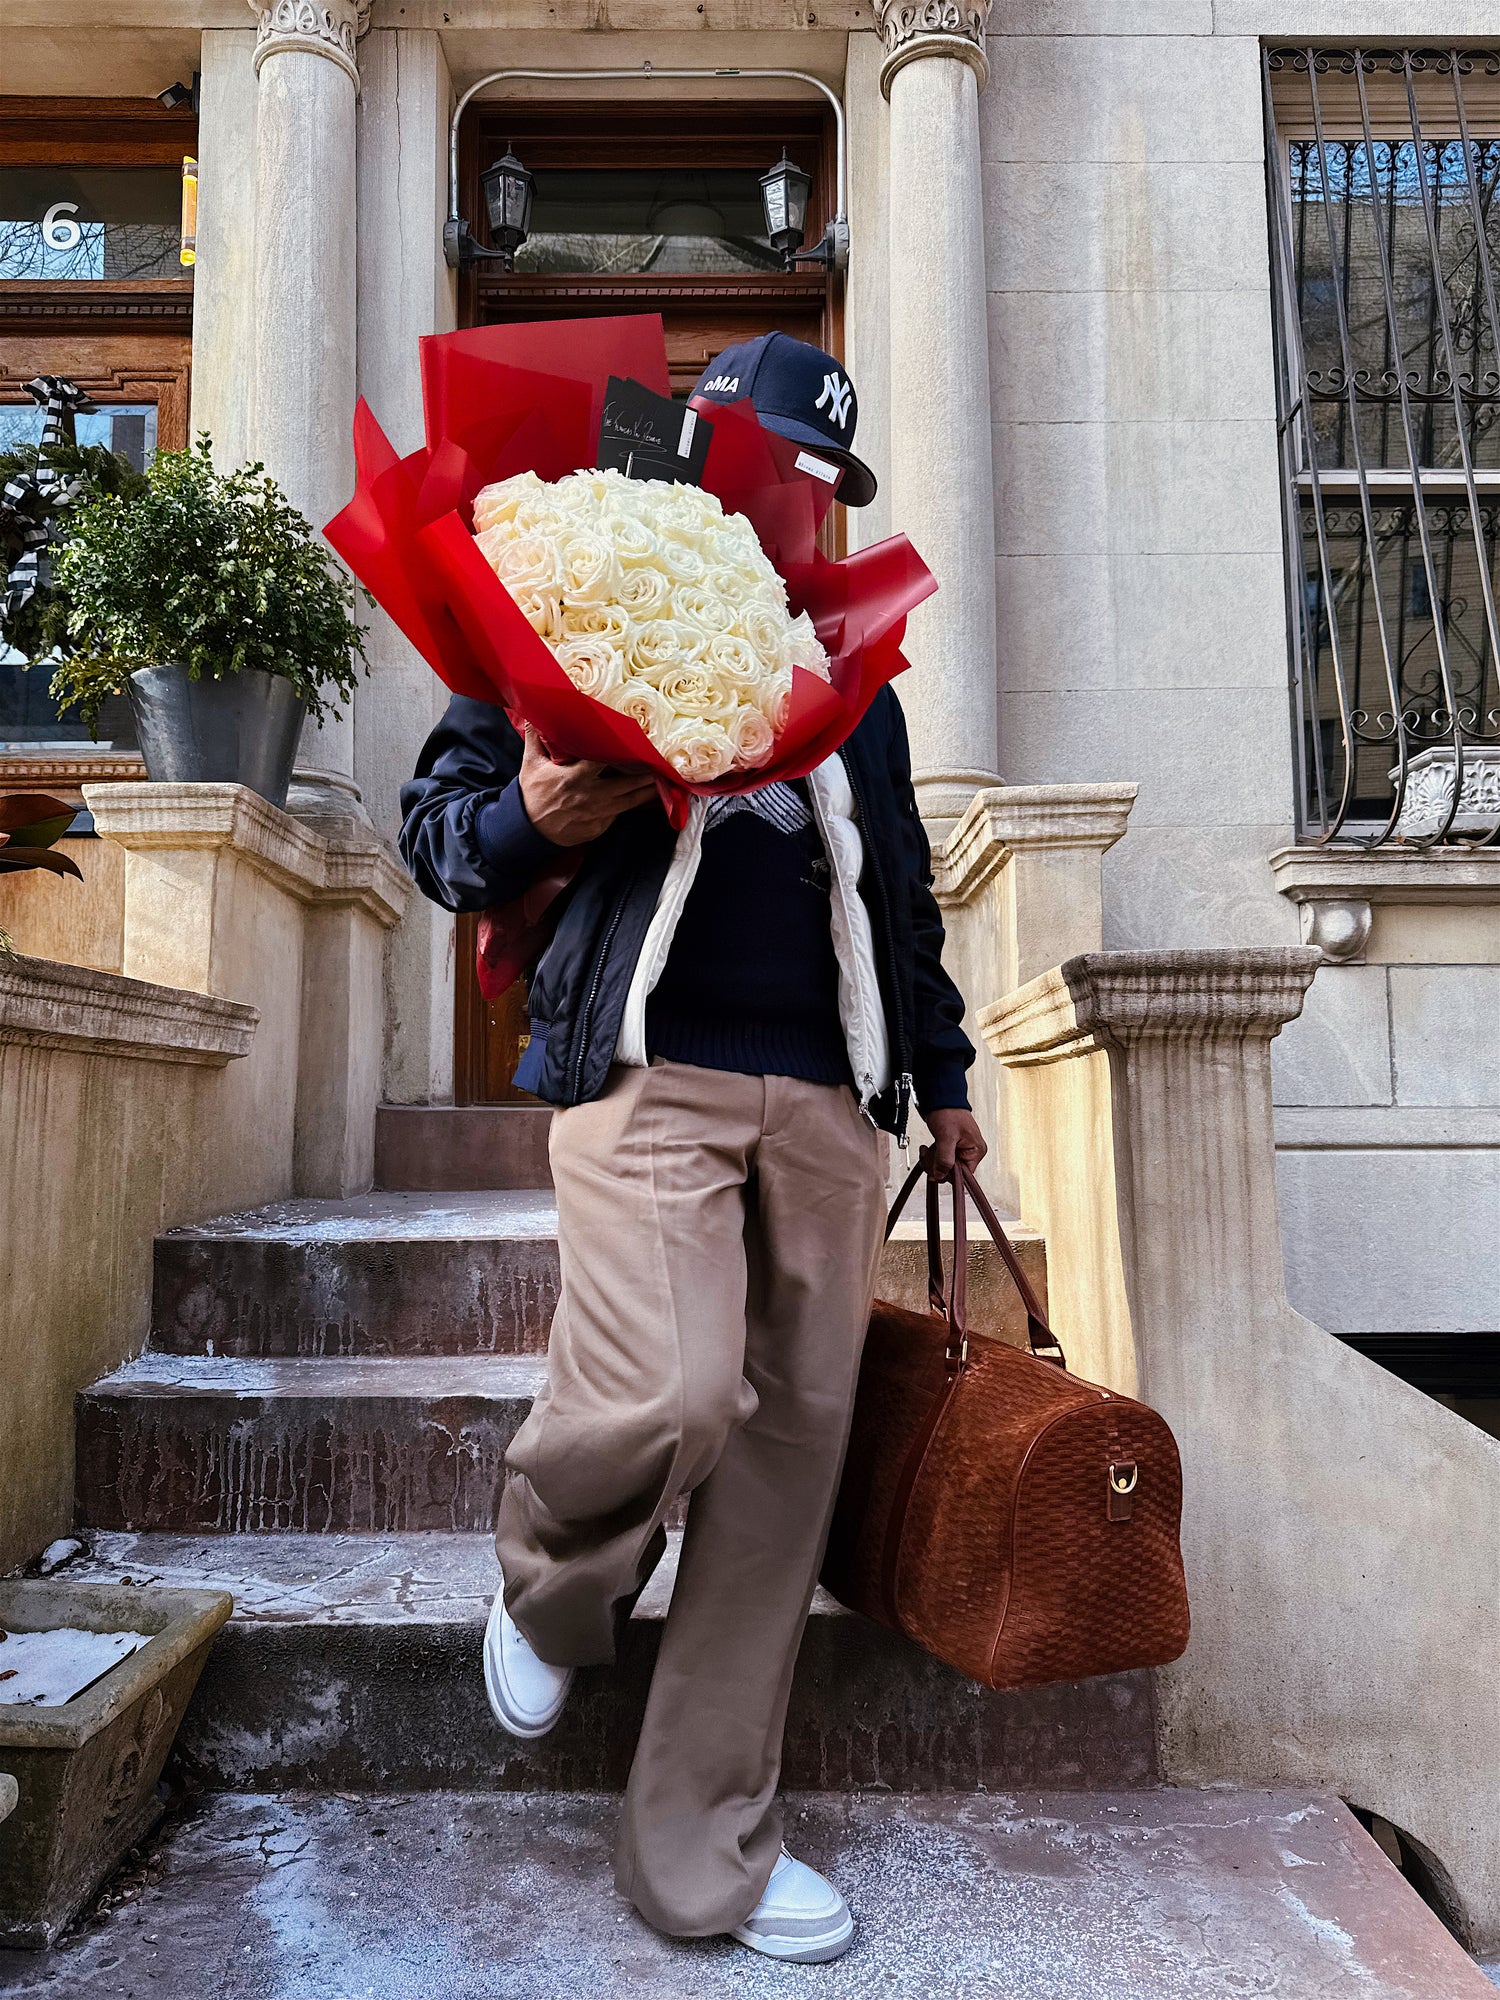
506 399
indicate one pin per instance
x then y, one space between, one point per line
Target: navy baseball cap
799 392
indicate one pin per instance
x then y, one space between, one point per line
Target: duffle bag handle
953 1303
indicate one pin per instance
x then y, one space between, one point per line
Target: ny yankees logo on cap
838 396
801 393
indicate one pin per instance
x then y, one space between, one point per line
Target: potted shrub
209 601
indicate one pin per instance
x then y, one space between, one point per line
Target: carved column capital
914 28
305 27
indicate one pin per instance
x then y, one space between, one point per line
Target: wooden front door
639 208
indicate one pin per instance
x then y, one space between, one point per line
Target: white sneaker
800 1917
526 1694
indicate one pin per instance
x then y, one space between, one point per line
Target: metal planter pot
86 1771
240 730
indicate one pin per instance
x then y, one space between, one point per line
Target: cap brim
858 486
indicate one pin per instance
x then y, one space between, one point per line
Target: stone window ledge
1337 889
47 1005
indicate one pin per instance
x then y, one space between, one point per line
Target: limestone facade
1058 310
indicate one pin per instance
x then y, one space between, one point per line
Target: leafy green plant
55 482
215 572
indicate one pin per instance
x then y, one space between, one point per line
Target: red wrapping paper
501 400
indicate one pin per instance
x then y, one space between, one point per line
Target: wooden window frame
95 132
638 133
123 340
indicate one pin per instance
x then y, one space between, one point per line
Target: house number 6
58 227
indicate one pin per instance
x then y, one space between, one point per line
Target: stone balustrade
1343 1636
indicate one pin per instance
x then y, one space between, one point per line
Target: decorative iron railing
1384 173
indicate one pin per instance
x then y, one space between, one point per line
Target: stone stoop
354 1662
318 1426
1033 1895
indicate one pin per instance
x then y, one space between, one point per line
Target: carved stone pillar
302 396
941 472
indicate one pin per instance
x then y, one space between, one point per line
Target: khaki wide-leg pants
719 1237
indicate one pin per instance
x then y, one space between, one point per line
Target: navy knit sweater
751 981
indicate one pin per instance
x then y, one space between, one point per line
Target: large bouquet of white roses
651 598
697 632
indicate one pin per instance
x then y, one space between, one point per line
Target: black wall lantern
508 191
783 196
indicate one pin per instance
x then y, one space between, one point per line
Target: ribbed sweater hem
802 1049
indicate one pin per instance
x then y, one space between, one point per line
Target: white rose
733 661
591 664
590 574
732 585
603 621
497 503
687 690
527 562
655 648
763 630
773 698
703 608
643 704
636 546
541 607
682 562
804 648
752 736
643 593
697 750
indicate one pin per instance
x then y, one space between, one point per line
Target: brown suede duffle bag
1013 1520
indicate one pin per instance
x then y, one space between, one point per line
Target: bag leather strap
954 1306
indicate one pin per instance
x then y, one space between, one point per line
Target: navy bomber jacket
469 845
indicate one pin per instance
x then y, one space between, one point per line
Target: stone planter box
87 1769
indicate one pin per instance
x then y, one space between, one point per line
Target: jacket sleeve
464 832
942 1051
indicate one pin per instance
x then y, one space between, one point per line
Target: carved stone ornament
914 28
1429 792
287 26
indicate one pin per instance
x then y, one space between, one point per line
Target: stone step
353 1662
1039 1895
459 1146
468 1273
381 1274
310 1446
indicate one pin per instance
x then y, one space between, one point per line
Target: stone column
405 291
942 467
303 382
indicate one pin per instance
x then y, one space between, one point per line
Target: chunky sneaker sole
808 1951
528 1724
801 1918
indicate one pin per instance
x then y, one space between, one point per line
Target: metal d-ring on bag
1015 1521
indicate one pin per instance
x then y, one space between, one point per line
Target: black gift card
647 436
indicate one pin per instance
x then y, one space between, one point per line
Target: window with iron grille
1384 172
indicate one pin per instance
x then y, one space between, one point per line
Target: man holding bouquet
727 1020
